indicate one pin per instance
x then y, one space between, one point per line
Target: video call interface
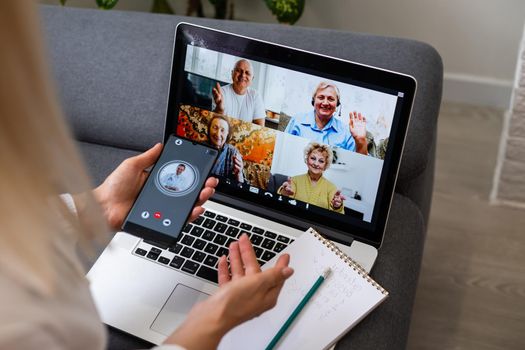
292 137
174 182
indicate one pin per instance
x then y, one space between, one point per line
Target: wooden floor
471 292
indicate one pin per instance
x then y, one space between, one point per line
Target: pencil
298 309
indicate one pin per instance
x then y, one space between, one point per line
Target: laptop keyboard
206 239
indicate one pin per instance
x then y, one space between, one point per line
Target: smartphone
166 200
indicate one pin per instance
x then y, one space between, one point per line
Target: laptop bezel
339 70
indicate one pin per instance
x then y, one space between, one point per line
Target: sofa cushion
102 160
397 269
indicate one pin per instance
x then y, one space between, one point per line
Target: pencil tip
327 272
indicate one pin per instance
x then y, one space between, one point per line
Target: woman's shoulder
26 308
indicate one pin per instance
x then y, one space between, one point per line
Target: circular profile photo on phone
176 178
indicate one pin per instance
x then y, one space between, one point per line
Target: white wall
509 182
478 39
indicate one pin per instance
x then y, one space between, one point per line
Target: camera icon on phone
178 142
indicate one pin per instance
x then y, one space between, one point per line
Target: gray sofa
112 71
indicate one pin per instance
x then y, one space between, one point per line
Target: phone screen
164 205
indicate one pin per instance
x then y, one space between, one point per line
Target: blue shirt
334 133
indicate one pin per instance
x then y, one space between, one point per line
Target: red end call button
157 215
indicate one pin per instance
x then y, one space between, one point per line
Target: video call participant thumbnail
176 181
312 187
238 99
229 163
321 125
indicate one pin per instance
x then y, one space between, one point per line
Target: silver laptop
146 288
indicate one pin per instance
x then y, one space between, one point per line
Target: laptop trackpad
176 308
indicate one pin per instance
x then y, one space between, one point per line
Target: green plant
161 6
286 11
106 4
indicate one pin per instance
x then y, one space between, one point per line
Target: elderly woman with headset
312 187
321 125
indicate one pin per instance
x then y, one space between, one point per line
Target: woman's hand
118 192
238 165
244 292
287 188
337 200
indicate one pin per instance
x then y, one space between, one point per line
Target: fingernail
287 272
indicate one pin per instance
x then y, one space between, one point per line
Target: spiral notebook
344 299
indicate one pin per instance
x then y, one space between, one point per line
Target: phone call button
166 222
145 215
157 215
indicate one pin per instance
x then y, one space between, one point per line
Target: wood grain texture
471 292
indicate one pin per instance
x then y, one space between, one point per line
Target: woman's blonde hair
38 158
315 146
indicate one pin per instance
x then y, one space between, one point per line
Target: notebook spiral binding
352 263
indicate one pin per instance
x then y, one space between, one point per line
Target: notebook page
342 301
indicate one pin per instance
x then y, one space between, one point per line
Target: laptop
307 160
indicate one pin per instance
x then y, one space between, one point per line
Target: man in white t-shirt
237 99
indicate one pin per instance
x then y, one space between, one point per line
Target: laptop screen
306 137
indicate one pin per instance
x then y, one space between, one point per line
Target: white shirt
175 182
247 107
64 319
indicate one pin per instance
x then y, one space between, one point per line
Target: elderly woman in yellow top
312 187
